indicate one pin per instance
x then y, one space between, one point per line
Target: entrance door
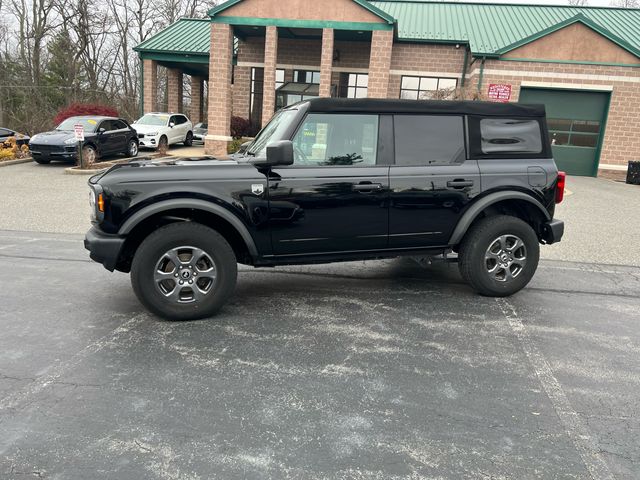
576 126
333 198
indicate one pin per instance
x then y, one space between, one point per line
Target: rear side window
118 125
506 137
428 139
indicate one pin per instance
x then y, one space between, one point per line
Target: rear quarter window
494 137
428 139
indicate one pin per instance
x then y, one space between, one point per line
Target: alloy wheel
185 274
505 258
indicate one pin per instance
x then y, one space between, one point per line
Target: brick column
380 63
150 87
241 91
269 85
174 90
326 62
219 105
197 88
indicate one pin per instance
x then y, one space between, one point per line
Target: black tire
163 143
475 259
151 256
188 141
132 148
42 161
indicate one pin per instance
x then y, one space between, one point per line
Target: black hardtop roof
373 105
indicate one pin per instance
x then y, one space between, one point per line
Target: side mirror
101 130
172 124
280 153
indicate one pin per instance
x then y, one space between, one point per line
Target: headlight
92 198
33 138
70 141
151 134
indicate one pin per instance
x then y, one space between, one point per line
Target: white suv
163 129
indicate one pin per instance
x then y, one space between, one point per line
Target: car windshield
157 120
89 124
202 126
272 132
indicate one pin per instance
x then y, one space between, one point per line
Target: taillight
562 177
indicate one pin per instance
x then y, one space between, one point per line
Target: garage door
576 121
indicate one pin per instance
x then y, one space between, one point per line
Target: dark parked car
199 132
334 180
7 133
102 136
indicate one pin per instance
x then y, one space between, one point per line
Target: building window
306 76
575 133
279 78
354 85
255 111
425 88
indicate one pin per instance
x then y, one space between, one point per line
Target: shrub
234 146
240 127
10 150
76 109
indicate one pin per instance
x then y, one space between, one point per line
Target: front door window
336 139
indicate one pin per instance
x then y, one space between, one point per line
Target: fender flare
476 209
195 204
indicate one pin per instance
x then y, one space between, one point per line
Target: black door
104 138
119 136
431 181
334 197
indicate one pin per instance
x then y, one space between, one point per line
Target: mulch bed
615 175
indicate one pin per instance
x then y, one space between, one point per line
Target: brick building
583 63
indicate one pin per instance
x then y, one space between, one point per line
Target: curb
8 163
77 171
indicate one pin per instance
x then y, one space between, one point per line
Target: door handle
459 183
367 187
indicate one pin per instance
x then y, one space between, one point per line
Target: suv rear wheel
499 255
188 141
184 271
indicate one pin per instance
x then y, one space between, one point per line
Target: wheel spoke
175 259
160 276
517 244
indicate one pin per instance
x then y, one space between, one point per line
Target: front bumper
145 141
552 231
104 248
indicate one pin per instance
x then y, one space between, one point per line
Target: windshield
89 124
272 132
157 120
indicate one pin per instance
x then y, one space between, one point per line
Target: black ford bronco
334 180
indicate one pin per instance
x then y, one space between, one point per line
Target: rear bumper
103 247
552 231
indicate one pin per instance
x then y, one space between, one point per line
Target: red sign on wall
500 92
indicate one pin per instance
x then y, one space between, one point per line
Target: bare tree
578 3
626 3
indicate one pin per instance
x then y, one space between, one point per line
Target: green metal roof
187 36
489 29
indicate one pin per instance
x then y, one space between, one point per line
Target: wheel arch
513 203
137 227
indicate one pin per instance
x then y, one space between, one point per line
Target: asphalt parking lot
365 370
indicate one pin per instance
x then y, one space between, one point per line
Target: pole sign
499 92
78 130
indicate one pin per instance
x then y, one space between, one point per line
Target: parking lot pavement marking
15 399
573 425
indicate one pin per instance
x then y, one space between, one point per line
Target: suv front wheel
499 255
184 271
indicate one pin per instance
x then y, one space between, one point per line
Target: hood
147 128
207 166
54 137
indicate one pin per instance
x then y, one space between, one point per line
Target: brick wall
219 90
150 87
380 63
241 91
174 90
622 138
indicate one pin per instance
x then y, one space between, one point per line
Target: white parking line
573 424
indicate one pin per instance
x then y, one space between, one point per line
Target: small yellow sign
92 122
